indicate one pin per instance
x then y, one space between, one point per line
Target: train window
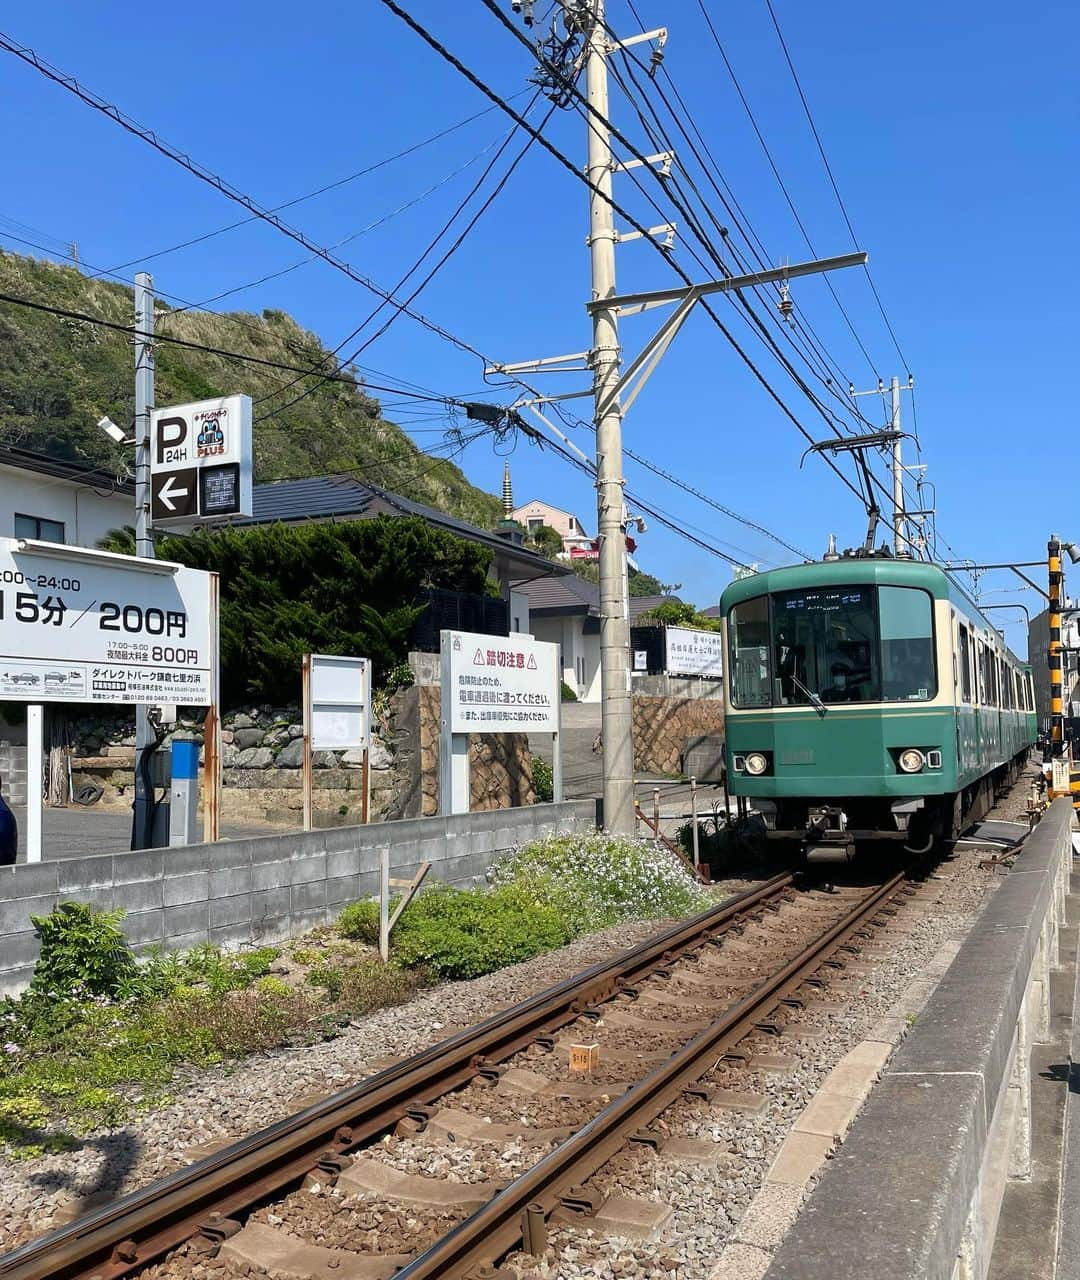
825 646
965 663
748 626
907 645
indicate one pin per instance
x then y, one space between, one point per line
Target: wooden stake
305 775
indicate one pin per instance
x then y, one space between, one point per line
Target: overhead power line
832 179
218 183
212 179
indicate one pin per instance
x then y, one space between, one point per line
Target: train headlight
911 760
756 763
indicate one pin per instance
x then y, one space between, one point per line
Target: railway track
666 1015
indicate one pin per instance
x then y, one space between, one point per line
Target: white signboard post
694 653
90 626
337 715
200 462
494 684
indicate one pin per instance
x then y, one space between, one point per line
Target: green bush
360 920
568 695
463 933
82 949
595 880
543 782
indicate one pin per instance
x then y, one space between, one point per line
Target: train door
966 712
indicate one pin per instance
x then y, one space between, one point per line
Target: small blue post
183 791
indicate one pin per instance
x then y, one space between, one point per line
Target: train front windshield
820 645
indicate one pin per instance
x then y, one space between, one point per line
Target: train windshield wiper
809 693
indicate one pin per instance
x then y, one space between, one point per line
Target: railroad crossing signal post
145 737
1057 708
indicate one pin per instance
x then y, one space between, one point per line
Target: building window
39 528
535 522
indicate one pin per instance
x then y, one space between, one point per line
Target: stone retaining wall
670 711
264 889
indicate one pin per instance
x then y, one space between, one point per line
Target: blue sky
951 129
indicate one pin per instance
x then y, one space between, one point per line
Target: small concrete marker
799 1158
284 1257
630 1218
374 1177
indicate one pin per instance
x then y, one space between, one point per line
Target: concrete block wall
917 1187
265 889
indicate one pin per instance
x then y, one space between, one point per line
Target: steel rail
140 1228
521 1211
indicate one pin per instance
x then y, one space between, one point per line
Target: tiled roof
327 498
573 595
60 469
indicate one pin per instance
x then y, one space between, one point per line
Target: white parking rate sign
108 629
502 684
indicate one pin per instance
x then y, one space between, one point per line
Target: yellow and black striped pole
1057 710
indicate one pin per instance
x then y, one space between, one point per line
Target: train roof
859 570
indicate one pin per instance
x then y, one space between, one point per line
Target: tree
287 590
547 541
674 613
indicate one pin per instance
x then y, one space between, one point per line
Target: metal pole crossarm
658 296
665 229
659 35
664 159
846 444
542 365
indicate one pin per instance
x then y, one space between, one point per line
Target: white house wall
87 514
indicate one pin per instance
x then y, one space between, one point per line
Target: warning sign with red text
501 684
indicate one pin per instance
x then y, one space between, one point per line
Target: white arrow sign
168 491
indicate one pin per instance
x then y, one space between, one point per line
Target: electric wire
832 179
73 86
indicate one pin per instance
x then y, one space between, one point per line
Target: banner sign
695 653
500 684
102 628
340 702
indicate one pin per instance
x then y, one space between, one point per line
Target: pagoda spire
508 492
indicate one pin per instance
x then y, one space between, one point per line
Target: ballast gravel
228 1102
231 1101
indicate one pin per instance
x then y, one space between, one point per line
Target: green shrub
595 880
543 782
82 949
463 933
360 920
568 695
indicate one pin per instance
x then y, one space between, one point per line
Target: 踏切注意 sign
501 684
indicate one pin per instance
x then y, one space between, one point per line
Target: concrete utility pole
145 738
616 722
899 539
614 391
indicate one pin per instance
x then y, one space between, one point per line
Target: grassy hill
58 376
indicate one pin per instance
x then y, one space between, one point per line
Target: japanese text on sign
501 684
695 653
102 630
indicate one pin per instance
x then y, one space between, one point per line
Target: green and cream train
867 698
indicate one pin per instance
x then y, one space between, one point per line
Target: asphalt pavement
77 832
